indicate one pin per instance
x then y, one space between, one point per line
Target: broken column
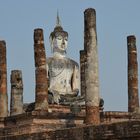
91 68
16 105
133 98
3 81
82 71
41 91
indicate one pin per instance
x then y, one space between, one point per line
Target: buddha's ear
51 43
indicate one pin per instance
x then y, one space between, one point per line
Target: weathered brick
133 97
3 81
91 67
41 98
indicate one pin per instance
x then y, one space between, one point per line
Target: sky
115 21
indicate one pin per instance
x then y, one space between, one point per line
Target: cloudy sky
115 21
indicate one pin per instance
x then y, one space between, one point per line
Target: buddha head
59 38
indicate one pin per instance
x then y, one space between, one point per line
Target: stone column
16 105
91 71
3 81
41 99
82 71
133 99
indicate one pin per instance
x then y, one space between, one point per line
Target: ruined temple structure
133 99
59 113
3 81
16 106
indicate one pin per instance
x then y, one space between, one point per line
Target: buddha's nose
63 42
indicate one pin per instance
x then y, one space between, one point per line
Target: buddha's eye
59 37
66 39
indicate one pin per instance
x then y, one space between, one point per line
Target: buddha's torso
60 73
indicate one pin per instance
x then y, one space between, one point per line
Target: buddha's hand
73 93
55 96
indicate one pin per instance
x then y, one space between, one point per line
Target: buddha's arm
75 80
47 70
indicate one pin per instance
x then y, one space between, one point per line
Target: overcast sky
116 19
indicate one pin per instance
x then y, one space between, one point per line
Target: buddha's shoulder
73 62
49 59
62 60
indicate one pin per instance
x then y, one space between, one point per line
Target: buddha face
61 42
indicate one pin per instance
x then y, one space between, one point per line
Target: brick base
92 115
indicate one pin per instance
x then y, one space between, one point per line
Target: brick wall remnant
3 80
133 99
127 130
91 71
82 71
16 105
41 91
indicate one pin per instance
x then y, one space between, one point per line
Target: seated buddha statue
63 72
